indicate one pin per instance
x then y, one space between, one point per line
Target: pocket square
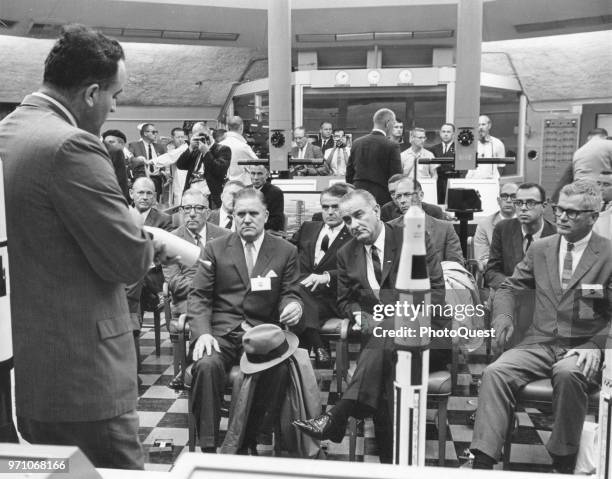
271 274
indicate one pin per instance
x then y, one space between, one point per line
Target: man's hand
504 328
161 254
206 342
315 280
357 318
588 358
291 314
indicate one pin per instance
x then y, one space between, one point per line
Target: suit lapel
390 247
588 259
264 257
517 241
361 264
237 253
150 219
312 245
552 263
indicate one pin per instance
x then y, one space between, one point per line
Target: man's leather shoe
322 358
321 427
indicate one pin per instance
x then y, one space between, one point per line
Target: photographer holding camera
335 158
206 163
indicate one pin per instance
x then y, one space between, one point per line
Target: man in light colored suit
484 231
304 150
196 230
247 278
571 273
442 233
603 226
224 216
74 245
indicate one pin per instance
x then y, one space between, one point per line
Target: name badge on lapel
261 284
593 291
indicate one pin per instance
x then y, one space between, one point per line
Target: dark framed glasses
529 204
571 214
190 208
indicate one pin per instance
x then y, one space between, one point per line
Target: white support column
522 139
279 68
298 104
450 102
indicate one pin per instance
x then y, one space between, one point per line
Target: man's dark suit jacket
390 211
275 202
373 160
221 297
214 217
306 241
120 167
329 143
507 250
179 276
444 171
137 148
216 163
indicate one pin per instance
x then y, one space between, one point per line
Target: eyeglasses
399 196
155 132
605 184
507 197
571 214
198 208
529 204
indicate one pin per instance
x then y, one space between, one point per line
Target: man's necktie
566 276
150 156
325 244
250 256
229 222
529 238
376 264
197 239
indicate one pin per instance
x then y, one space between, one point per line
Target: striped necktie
566 276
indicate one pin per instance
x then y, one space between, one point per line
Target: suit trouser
7 428
515 368
109 443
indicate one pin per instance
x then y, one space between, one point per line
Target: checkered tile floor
163 418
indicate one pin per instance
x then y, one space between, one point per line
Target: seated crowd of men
550 283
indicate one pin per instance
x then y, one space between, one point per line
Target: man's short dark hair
324 122
528 186
176 128
249 194
598 132
144 127
82 56
452 125
395 178
408 178
117 133
337 190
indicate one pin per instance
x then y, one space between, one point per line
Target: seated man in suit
206 162
305 150
246 278
224 216
484 231
571 273
442 233
273 197
391 210
196 230
318 243
603 226
367 272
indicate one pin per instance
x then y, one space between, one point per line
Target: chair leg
191 424
352 427
508 440
442 413
339 366
157 328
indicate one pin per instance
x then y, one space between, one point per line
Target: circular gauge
373 77
342 78
405 76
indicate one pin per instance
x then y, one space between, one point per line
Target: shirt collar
257 243
380 241
381 131
535 235
65 110
578 244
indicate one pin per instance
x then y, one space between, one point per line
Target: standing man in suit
444 239
566 337
273 198
374 158
445 149
318 244
196 230
148 148
206 163
246 277
114 140
484 231
224 216
325 140
335 158
367 272
75 368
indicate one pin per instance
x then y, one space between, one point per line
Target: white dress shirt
579 247
409 157
241 151
491 147
332 233
338 158
223 216
535 236
380 246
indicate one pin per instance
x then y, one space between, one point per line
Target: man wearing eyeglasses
416 152
571 275
197 230
484 231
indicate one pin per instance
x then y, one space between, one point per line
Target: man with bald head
374 158
241 151
488 147
206 163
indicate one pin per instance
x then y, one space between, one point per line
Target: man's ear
91 94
